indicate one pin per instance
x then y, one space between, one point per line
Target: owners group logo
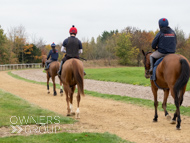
39 124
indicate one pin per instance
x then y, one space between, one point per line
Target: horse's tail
78 75
182 80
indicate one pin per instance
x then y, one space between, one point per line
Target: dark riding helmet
73 30
53 45
163 22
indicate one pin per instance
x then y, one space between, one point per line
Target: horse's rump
73 73
173 68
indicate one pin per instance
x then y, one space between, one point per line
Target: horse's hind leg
78 111
61 88
54 86
71 100
173 121
48 83
67 99
154 91
166 93
177 113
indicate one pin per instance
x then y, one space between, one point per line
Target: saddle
153 76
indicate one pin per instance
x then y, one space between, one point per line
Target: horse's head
44 58
146 62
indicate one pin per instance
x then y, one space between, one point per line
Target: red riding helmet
73 30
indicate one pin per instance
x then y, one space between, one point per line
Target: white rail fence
20 66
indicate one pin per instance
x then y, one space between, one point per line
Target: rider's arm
63 49
49 55
155 41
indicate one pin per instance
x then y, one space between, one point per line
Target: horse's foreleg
54 86
154 91
48 83
166 93
78 111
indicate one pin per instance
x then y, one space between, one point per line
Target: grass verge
16 110
67 138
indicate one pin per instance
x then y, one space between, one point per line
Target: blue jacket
165 40
54 56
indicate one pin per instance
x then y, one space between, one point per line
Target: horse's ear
143 52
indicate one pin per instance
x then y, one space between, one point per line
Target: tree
124 49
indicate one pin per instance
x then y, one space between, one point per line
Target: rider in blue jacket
164 43
53 53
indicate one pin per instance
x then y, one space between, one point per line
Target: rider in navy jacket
54 55
164 43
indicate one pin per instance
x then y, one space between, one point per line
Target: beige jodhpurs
157 55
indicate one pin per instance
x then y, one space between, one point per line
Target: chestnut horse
172 74
52 72
72 74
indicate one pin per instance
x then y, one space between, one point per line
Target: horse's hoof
61 94
155 120
172 122
72 113
77 116
48 92
178 128
168 117
68 114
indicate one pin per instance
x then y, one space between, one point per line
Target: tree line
124 46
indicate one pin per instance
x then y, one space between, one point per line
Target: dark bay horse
172 74
72 74
52 72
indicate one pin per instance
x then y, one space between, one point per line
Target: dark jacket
54 56
165 40
72 45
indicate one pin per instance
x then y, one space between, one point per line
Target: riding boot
60 68
46 66
151 64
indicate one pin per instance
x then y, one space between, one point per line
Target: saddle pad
153 77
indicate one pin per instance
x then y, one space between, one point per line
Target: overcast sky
51 20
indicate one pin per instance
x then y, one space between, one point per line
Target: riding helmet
53 44
73 30
163 22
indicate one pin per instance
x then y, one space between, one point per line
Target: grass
66 138
14 109
126 99
129 75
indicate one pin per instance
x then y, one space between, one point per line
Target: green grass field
129 75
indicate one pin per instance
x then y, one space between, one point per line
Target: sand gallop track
131 122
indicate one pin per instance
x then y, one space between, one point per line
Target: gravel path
106 87
128 121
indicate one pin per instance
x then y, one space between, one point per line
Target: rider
72 46
164 43
54 55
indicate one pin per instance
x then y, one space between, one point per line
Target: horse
52 72
172 74
72 74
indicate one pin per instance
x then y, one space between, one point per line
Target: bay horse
51 73
172 74
73 74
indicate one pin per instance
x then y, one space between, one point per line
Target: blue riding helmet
53 44
163 22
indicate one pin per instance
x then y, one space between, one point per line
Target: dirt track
128 121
